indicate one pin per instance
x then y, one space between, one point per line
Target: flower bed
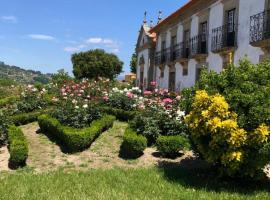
18 147
73 139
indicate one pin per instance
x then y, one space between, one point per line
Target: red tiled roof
174 15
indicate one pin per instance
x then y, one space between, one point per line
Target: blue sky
42 35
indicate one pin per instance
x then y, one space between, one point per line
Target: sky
42 35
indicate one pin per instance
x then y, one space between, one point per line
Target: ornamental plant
220 140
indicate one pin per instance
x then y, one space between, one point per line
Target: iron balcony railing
260 26
224 37
198 44
163 56
178 51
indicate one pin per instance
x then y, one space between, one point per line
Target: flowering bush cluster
219 139
31 99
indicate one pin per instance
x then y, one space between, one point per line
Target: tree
133 63
60 77
96 63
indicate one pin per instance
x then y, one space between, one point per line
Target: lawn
153 183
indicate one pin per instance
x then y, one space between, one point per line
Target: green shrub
18 147
133 145
120 114
171 145
246 88
74 140
7 100
25 118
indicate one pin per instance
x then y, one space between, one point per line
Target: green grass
166 183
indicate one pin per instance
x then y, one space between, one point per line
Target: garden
210 141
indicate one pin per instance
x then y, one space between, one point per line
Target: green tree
96 63
133 63
60 77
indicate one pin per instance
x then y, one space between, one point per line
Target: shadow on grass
172 156
54 140
197 174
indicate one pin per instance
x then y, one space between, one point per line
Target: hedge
26 118
18 147
120 114
133 144
74 140
7 100
171 145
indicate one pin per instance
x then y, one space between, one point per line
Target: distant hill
20 75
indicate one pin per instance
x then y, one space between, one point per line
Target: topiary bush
120 114
169 146
218 138
133 145
74 140
18 147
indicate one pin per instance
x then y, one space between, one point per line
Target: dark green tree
133 63
96 63
60 77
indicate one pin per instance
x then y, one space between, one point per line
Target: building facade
202 33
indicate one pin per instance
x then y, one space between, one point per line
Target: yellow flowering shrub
217 136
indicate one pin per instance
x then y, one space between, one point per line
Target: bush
246 89
171 145
72 139
120 114
26 118
76 116
4 123
7 100
18 147
133 145
219 139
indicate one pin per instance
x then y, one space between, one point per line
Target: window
173 41
185 70
203 38
186 43
162 73
231 22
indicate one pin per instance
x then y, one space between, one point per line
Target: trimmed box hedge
169 146
26 118
74 140
133 144
18 147
122 115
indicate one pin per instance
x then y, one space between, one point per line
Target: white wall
247 8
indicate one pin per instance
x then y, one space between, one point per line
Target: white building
210 33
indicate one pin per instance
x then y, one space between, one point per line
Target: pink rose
147 92
167 101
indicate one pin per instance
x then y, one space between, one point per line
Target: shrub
246 89
25 118
75 115
4 123
133 145
120 100
7 100
18 147
74 140
219 139
120 114
171 145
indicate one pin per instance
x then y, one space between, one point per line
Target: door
172 81
231 27
203 38
186 43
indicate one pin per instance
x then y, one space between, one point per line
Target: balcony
224 39
260 29
162 57
199 46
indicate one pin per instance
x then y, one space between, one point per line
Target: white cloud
41 37
10 19
94 41
71 49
